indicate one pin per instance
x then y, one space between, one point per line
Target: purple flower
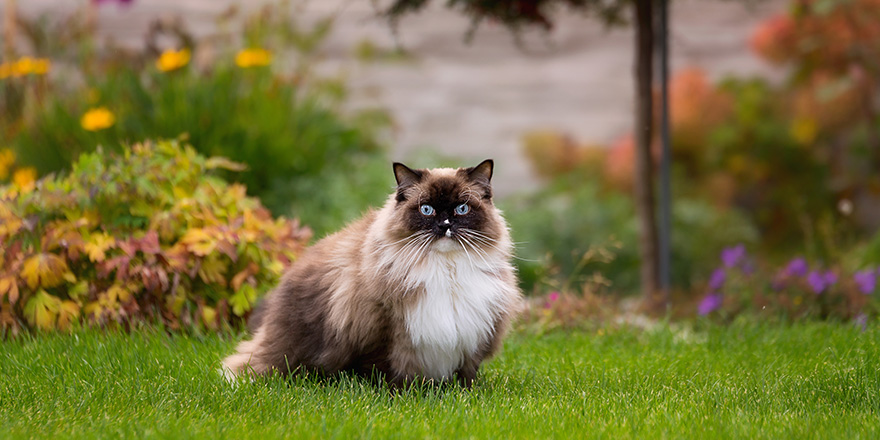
830 278
797 267
816 282
820 281
733 255
866 281
716 281
710 303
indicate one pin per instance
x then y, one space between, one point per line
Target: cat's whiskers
413 253
480 253
488 242
408 237
414 240
461 241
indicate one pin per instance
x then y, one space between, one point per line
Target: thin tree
517 15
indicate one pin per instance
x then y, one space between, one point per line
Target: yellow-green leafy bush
148 234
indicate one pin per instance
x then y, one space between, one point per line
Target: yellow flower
253 58
7 158
6 70
97 119
173 60
25 66
24 178
41 66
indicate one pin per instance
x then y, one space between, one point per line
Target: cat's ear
406 178
482 172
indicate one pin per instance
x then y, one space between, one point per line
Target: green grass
743 381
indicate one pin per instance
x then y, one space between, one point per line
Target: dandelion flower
25 66
253 58
24 178
173 60
97 119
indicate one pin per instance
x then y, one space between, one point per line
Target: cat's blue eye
462 209
426 209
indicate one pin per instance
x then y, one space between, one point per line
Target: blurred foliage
564 228
286 123
149 233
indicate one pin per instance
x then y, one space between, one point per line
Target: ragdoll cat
420 290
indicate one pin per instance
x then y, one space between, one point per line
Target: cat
420 290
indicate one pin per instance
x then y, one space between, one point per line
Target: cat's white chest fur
455 313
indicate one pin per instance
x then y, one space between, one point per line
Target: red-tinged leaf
177 257
246 274
42 309
228 248
13 293
149 244
118 264
6 318
44 270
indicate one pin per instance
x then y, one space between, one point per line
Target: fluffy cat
421 289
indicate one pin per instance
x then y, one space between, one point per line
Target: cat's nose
445 227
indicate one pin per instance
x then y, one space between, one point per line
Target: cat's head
448 208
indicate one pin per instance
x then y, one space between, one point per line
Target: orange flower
253 58
25 178
173 60
775 39
97 119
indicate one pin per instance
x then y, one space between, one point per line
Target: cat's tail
243 363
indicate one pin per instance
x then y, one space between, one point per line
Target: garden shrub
149 233
574 217
290 126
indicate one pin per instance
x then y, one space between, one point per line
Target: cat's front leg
467 373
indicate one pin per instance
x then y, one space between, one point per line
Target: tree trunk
643 179
9 23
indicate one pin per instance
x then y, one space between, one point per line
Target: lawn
748 380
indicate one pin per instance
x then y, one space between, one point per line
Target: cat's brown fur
393 292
